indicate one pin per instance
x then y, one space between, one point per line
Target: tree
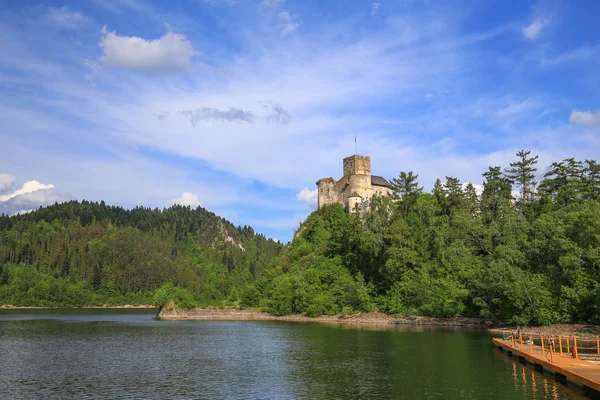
591 180
406 189
455 196
496 194
472 198
439 193
522 173
564 182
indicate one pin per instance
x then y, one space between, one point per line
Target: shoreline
374 319
378 319
124 306
370 318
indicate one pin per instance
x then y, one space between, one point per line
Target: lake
127 354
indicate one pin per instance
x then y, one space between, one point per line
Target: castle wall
328 192
352 202
360 184
356 180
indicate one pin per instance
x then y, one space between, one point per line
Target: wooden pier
564 358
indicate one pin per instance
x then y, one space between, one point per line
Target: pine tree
591 180
564 182
522 173
454 194
406 189
472 198
406 184
496 193
440 194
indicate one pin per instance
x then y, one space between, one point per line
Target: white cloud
279 115
213 114
32 195
6 182
533 30
64 18
586 118
187 199
288 23
582 53
229 3
119 6
544 12
28 187
171 52
270 3
310 197
375 7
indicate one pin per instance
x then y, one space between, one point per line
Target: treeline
528 258
86 253
511 249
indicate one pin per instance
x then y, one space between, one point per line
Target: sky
240 106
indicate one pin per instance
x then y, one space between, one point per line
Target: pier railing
552 346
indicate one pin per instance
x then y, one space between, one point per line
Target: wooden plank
580 371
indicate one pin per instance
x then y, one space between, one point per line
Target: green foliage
451 253
169 294
83 253
250 296
532 260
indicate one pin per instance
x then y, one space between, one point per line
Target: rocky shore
376 319
372 318
13 307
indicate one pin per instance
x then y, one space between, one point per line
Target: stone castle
356 186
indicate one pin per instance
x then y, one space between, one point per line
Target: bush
250 297
168 293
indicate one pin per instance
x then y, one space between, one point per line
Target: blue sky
241 106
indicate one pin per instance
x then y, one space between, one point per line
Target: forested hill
528 259
86 253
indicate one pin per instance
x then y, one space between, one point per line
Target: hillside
453 252
86 253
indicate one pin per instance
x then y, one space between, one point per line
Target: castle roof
354 194
379 181
325 179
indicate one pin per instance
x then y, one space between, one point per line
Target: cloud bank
171 52
187 199
310 197
29 197
64 18
213 114
585 118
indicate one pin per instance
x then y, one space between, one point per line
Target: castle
356 186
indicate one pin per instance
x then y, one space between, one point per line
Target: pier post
542 339
560 344
598 344
530 344
575 352
568 345
521 340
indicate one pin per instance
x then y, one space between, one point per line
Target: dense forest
510 249
85 253
531 258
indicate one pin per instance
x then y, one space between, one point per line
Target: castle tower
357 184
357 165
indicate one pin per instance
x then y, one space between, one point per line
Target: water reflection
134 356
535 384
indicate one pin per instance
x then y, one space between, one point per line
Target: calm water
129 355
